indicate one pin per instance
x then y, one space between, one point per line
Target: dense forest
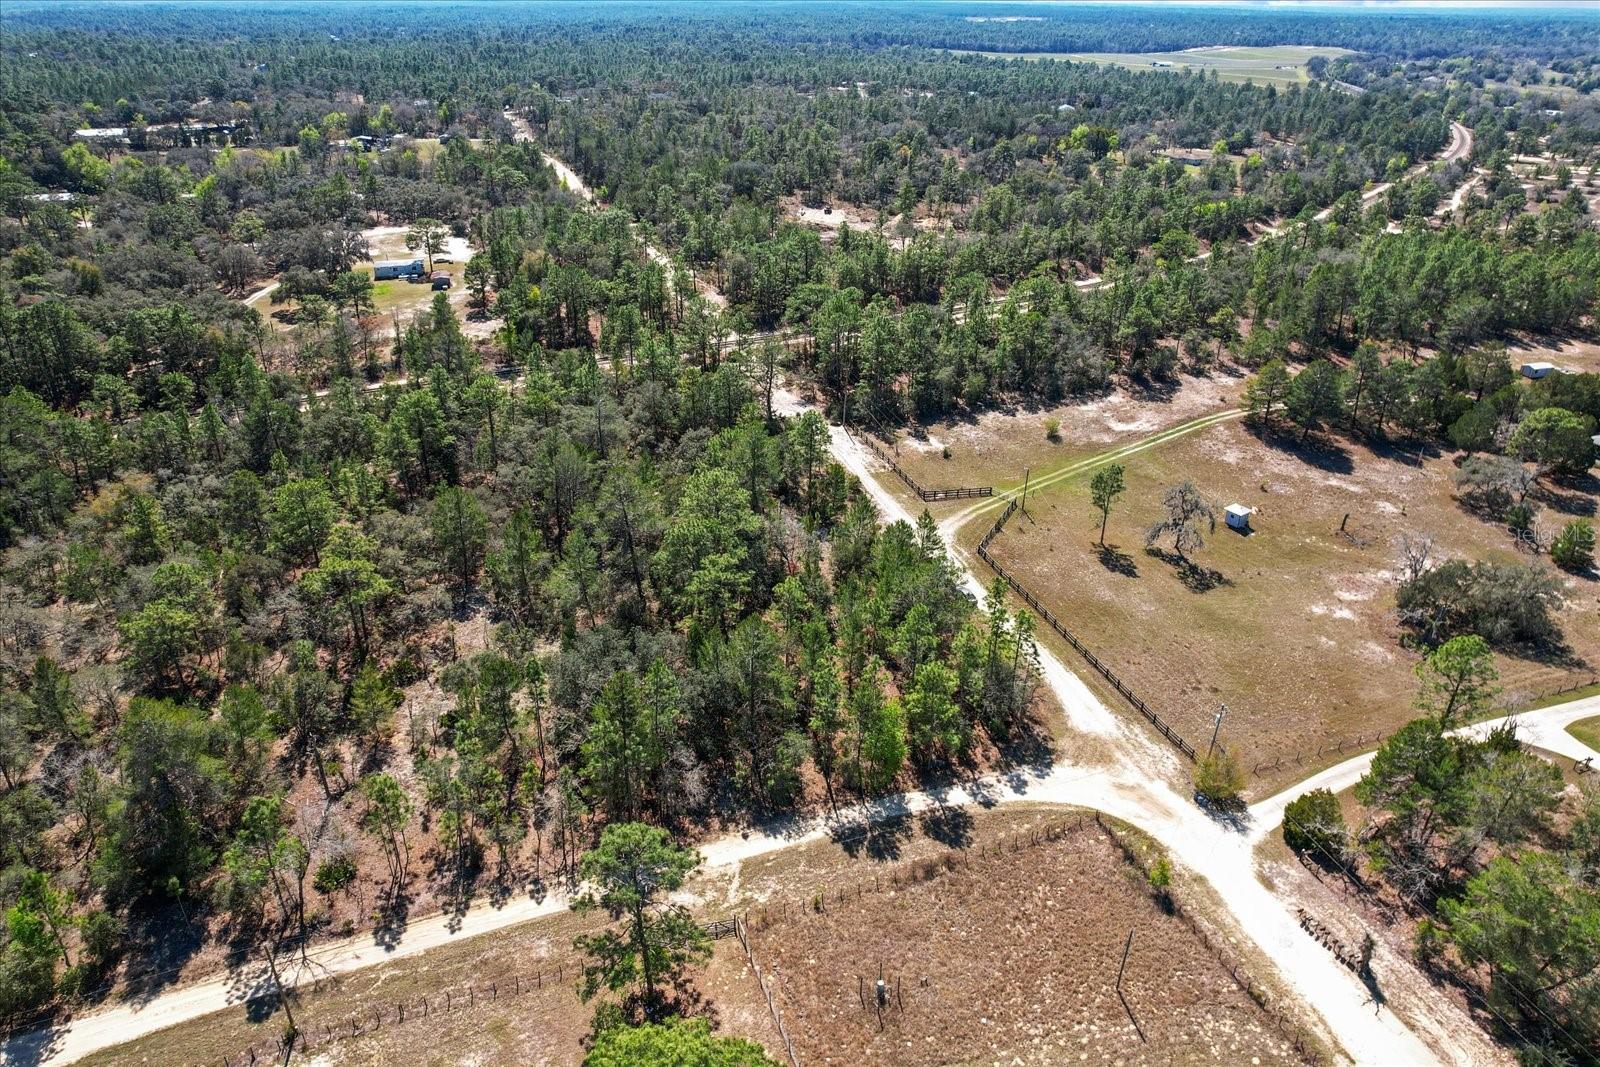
307 597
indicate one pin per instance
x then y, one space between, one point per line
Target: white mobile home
397 268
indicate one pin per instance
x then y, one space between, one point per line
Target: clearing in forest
1293 625
1278 64
1010 957
994 447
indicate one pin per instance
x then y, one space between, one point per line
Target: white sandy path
1546 729
573 181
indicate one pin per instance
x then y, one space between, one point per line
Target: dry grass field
527 1024
1011 960
1280 65
1291 626
993 448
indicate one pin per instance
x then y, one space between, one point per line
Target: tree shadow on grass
1323 453
1407 450
879 840
949 826
1117 561
1573 496
1195 578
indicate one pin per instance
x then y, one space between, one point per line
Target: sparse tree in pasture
1189 520
1104 488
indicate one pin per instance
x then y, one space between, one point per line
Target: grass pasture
994 447
1280 65
1292 626
1587 731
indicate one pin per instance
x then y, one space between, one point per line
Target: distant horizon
1279 5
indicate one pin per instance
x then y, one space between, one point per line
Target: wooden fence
721 928
966 493
766 992
1350 746
1165 728
1365 742
314 1035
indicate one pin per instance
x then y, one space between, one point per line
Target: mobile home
397 268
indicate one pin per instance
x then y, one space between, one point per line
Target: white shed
1237 516
1537 370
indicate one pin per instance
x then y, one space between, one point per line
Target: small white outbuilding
1537 370
1237 516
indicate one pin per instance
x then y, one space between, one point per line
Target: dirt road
1137 790
1546 729
572 180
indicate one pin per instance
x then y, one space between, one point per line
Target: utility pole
1216 728
1026 477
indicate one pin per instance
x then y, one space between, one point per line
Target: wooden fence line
965 493
909 873
1292 1031
1138 702
426 1005
1363 742
761 983
1354 744
922 870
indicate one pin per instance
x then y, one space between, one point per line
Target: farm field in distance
1295 632
1280 64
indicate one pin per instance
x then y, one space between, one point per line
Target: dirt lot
530 1021
1348 914
1572 353
1292 626
836 214
994 447
1012 960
